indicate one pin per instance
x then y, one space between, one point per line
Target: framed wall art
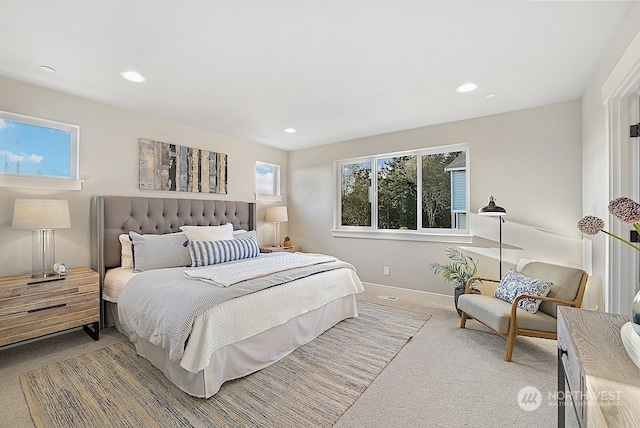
171 167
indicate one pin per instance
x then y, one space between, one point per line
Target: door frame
622 109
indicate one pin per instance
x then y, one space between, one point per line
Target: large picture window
422 191
38 152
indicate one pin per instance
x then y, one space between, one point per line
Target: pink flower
625 210
590 225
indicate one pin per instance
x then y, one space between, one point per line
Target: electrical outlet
597 308
385 270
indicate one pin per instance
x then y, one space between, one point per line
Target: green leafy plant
458 271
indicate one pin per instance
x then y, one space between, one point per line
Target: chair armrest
514 305
467 288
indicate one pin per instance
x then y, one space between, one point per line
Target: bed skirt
246 356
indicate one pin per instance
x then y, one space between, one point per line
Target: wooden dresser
604 384
290 249
31 308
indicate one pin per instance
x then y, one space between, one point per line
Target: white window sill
268 198
36 182
403 235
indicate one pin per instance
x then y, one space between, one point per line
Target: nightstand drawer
290 249
30 308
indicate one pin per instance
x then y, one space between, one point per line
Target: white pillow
126 256
208 233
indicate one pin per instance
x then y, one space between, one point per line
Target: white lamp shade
276 214
41 214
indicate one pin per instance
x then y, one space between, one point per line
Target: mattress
114 282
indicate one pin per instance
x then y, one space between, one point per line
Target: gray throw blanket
161 305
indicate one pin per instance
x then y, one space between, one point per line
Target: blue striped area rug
311 387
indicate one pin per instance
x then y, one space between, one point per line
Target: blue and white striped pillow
205 253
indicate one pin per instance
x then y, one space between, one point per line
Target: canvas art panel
171 167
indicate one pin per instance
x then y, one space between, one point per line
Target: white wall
530 160
596 159
109 164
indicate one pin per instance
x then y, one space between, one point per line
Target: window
267 181
423 191
38 153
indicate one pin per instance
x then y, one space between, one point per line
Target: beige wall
109 166
530 160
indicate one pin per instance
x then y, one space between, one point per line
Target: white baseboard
405 293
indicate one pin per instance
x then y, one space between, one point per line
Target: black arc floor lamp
493 210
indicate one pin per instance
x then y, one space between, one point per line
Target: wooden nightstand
291 249
32 308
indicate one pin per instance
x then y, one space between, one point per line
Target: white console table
603 382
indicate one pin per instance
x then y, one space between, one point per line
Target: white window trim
31 181
276 196
422 234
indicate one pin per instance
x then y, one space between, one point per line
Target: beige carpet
114 387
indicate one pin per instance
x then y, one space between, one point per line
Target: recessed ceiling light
467 87
289 130
133 76
47 69
490 95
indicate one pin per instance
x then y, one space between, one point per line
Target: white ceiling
334 70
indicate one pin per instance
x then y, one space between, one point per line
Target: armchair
508 320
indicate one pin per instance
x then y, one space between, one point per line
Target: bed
234 338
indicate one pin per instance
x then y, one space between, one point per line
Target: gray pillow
159 251
245 234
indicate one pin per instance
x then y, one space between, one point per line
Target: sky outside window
27 149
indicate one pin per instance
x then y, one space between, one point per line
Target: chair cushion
514 284
495 313
566 282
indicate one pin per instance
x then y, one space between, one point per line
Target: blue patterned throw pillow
514 284
205 253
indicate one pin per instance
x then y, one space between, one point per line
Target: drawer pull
62 305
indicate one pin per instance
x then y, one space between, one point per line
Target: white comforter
249 315
245 316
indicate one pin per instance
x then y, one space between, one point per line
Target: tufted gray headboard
114 215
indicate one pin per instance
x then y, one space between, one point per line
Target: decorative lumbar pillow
205 253
208 233
159 251
514 284
126 256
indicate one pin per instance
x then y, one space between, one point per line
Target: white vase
635 308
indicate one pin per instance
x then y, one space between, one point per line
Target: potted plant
457 272
287 241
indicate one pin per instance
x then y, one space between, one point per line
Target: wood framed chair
508 320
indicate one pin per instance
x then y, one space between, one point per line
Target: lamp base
44 275
42 253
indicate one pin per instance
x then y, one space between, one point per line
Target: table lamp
42 216
276 215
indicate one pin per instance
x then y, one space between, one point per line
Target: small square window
267 181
